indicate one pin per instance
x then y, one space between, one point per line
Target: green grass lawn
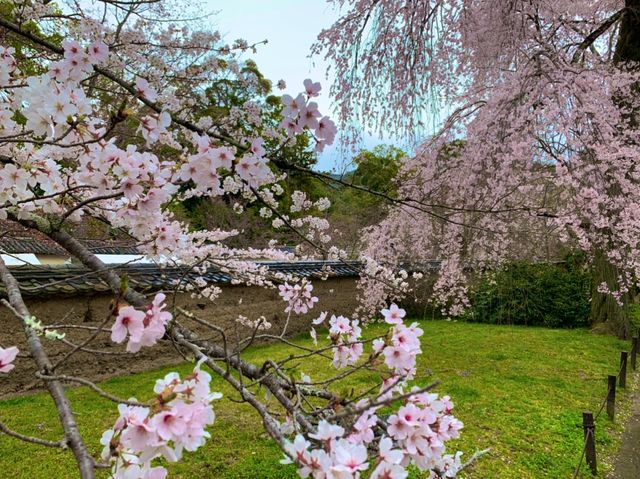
520 391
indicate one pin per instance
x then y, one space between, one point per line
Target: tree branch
91 261
72 434
34 440
594 35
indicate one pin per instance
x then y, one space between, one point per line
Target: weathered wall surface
337 295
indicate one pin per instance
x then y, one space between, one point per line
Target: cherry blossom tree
104 115
541 141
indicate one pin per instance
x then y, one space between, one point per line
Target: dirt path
627 464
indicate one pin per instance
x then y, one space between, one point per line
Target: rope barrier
584 450
602 405
589 432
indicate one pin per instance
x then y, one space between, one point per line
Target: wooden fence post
634 351
590 440
611 397
623 369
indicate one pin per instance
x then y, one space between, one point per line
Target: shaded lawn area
520 391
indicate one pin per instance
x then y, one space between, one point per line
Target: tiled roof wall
16 239
56 280
18 245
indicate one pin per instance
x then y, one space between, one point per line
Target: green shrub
534 294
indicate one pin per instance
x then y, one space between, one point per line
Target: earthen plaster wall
337 295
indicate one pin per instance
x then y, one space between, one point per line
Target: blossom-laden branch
399 351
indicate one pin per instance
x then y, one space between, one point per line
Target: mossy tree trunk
606 312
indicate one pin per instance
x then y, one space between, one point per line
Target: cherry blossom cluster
378 282
300 202
204 165
400 349
335 458
300 113
7 357
421 427
313 227
415 434
54 101
175 421
451 288
131 184
298 296
78 61
537 157
142 328
345 335
205 290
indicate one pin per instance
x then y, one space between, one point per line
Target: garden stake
590 440
623 369
611 397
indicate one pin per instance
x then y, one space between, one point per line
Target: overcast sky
291 27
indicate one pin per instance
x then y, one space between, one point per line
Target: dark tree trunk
628 46
606 313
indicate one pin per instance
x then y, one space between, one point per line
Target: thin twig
62 443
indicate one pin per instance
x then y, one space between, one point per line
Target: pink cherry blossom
339 325
363 427
171 423
394 314
309 115
72 49
312 88
350 458
128 322
222 158
326 130
144 90
387 453
291 126
327 431
398 427
7 356
257 147
143 328
399 359
98 52
293 106
175 423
